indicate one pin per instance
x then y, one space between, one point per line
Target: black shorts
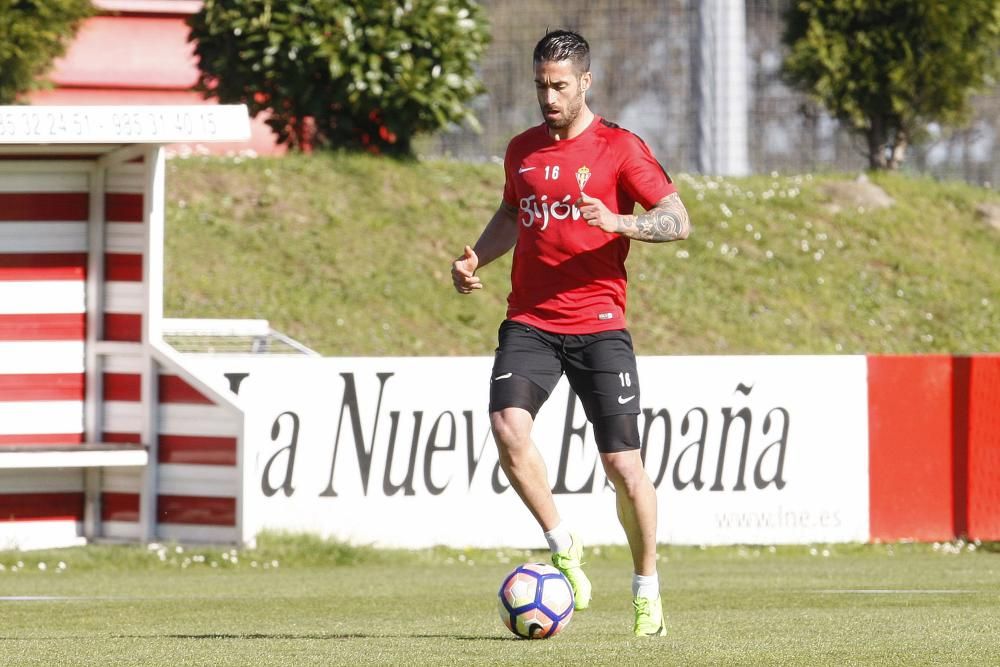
600 368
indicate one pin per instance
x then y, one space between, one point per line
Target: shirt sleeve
509 195
642 176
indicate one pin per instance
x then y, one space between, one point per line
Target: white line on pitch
49 598
898 591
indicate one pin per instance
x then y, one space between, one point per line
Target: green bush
366 74
887 68
33 33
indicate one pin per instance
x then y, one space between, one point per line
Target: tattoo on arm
666 221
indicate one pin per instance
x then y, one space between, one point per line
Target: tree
368 74
33 33
888 68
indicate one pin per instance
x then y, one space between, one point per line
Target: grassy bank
351 255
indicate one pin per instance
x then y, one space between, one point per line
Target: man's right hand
463 272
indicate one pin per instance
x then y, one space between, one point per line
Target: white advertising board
398 451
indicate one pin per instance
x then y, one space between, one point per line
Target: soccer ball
535 601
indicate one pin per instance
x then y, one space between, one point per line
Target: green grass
306 602
351 254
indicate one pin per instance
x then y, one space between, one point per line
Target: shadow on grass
318 636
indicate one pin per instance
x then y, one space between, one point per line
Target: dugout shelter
104 431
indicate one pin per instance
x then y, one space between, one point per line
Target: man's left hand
597 214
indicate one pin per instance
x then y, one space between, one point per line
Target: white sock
559 538
646 586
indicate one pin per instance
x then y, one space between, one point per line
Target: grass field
351 254
299 601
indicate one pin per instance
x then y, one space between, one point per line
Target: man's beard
566 119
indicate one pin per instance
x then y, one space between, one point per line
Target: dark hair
563 45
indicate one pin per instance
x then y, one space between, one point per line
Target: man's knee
625 470
511 428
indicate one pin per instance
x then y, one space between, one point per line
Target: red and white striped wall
75 348
196 457
44 209
124 244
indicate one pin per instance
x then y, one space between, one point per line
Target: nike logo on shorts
622 400
524 169
503 377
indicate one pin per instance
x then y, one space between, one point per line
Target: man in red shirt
572 184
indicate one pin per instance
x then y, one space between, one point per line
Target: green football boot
649 618
568 562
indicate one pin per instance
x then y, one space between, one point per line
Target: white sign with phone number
118 124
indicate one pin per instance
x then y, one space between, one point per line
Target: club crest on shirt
582 176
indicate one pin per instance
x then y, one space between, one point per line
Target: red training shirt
569 277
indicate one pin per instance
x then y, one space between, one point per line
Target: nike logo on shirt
524 169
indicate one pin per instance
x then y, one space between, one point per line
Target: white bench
87 455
